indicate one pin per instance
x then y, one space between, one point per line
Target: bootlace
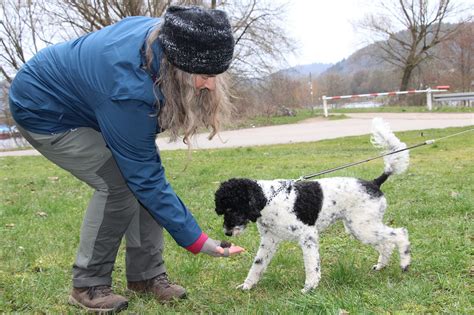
161 280
99 291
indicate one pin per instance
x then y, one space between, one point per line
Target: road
311 130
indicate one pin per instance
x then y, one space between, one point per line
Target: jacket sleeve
129 129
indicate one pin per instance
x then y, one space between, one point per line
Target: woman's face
204 81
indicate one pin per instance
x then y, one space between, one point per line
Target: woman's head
197 40
198 46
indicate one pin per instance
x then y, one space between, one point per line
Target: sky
324 28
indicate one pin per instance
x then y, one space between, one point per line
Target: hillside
364 59
451 62
314 69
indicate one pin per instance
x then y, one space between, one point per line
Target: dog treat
225 244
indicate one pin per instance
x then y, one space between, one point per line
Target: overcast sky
324 28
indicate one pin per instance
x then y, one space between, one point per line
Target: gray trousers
112 212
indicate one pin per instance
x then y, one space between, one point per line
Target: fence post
429 99
325 106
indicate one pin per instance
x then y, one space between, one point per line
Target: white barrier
440 88
465 96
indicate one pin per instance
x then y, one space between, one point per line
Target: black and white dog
301 210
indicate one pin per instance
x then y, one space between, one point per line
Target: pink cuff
195 247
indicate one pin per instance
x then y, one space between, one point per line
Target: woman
94 105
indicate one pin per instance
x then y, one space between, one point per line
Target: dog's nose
228 233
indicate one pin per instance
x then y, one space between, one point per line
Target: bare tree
84 16
22 34
5 116
261 41
458 54
29 25
281 91
332 83
408 30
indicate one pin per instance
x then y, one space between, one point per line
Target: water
339 104
368 104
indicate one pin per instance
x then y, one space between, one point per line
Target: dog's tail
383 138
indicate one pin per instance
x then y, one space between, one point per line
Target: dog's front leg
309 243
268 246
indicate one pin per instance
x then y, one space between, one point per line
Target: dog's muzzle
236 230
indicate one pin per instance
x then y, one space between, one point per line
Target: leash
427 142
283 186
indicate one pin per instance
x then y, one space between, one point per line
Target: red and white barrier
439 88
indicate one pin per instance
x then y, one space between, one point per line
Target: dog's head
240 201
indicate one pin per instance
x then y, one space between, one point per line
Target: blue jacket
99 81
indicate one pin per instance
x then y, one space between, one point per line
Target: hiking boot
160 287
99 299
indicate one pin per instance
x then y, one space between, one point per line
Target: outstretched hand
229 251
220 249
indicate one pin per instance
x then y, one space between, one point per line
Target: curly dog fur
301 210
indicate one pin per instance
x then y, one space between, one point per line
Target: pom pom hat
197 40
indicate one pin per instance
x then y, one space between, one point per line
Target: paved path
312 130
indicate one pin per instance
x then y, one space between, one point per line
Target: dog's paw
244 286
405 268
377 267
307 289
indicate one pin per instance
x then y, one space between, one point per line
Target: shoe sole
117 309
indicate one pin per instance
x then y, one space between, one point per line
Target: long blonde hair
185 109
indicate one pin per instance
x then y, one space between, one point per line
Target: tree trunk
406 78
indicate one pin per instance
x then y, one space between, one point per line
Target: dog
300 210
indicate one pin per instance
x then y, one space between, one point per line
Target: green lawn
41 208
340 113
405 109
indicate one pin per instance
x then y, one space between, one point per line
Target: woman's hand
220 249
229 251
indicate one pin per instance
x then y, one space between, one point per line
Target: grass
403 109
301 114
41 208
340 113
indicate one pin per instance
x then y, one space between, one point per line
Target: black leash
305 177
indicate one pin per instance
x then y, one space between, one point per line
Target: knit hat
197 40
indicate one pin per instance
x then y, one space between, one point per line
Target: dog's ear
253 214
218 201
219 211
257 202
223 196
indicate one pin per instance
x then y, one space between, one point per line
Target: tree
333 84
84 16
29 25
22 34
261 41
458 54
5 116
260 38
407 31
